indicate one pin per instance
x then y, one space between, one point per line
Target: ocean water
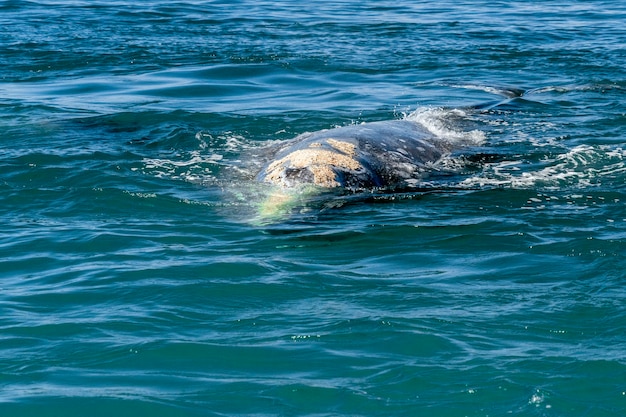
137 280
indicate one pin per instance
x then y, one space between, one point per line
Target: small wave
194 167
214 156
601 87
226 142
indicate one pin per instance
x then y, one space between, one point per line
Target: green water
136 279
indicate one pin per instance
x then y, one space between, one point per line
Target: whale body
385 154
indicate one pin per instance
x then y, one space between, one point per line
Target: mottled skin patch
321 163
345 147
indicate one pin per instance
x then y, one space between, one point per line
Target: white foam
581 166
448 124
200 165
194 167
226 142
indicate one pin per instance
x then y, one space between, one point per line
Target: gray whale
386 154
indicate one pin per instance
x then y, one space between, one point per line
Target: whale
387 155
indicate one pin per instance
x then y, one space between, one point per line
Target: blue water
137 280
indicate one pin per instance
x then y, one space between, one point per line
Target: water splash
581 166
449 124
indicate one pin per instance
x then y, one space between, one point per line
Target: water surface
136 281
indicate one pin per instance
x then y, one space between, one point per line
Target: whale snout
331 163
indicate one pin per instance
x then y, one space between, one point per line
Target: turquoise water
136 279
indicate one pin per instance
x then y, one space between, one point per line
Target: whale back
369 155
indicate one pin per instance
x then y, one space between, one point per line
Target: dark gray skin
387 154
